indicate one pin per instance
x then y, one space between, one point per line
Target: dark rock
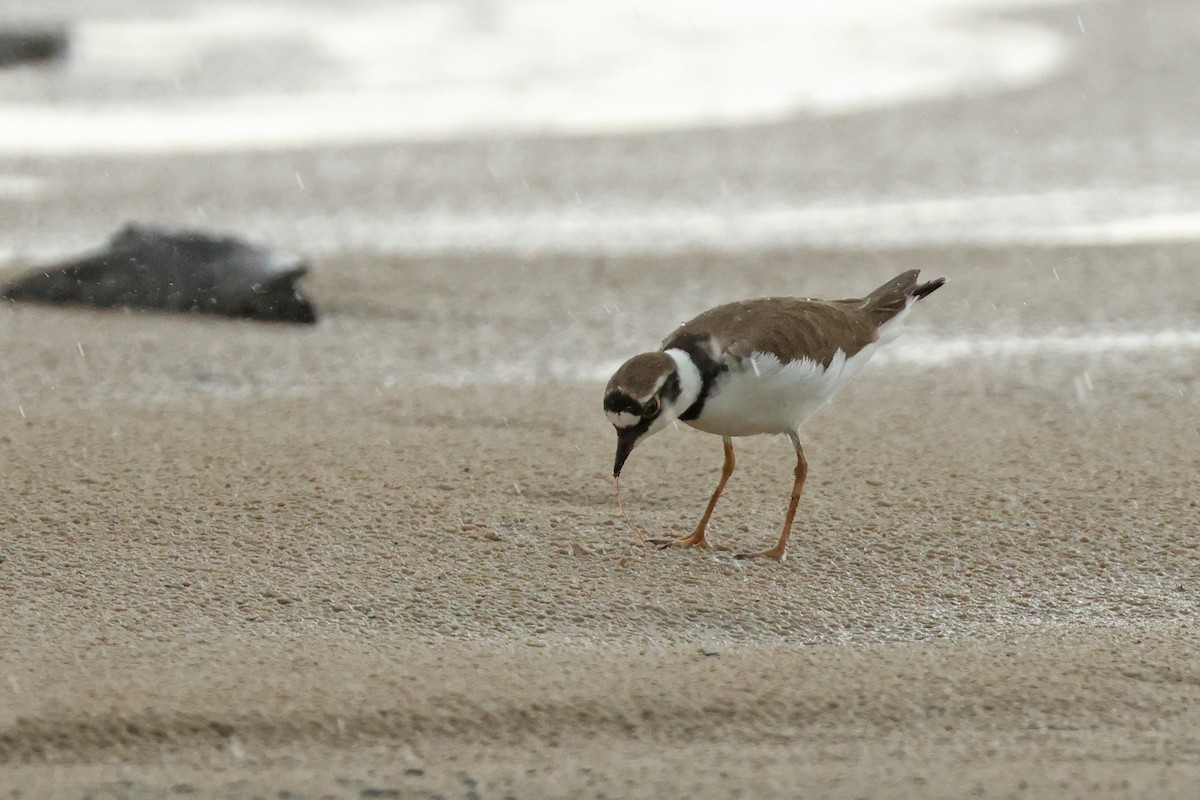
31 46
175 270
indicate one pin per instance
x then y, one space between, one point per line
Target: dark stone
175 270
31 46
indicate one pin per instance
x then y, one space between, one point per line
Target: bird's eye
651 407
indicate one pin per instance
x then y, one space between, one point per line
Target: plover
754 367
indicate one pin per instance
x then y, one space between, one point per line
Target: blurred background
432 126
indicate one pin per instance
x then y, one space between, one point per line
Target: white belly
764 396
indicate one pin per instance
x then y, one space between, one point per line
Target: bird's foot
776 553
694 539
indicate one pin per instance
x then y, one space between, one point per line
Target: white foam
911 350
441 68
1138 228
1053 217
20 187
938 351
1091 217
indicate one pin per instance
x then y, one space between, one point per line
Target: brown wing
790 328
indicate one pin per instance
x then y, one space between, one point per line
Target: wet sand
389 562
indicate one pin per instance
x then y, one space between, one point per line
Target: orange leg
779 551
696 537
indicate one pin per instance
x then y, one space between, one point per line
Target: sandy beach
341 574
382 557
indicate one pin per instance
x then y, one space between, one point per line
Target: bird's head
643 397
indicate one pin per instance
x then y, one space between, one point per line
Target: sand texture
382 558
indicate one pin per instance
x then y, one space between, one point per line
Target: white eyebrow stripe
622 419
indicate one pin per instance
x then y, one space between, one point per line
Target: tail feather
928 288
894 296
